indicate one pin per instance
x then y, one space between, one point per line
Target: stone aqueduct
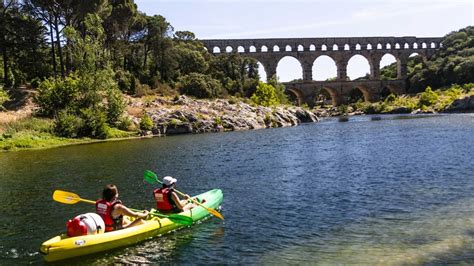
306 50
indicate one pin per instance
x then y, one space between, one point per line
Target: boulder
462 105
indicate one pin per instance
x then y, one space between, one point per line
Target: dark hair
109 192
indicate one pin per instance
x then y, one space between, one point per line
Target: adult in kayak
112 210
167 201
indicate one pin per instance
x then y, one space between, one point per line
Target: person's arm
179 203
123 210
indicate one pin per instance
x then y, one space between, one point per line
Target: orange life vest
104 209
163 199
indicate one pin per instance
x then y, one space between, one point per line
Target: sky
247 19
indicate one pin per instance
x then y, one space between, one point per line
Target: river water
394 191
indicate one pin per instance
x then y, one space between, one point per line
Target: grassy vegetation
428 101
37 133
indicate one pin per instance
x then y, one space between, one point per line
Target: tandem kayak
63 247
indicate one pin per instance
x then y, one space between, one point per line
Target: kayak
63 247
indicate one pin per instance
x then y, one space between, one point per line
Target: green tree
265 95
200 86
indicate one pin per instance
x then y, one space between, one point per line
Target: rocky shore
182 115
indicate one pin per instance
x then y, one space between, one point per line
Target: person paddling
167 201
112 210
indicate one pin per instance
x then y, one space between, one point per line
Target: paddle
152 178
71 198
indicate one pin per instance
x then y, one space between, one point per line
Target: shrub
146 123
265 95
94 123
428 98
200 86
390 98
67 124
57 94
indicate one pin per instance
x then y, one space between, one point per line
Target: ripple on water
436 236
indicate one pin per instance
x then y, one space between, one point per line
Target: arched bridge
306 50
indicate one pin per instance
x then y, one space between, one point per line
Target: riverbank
20 129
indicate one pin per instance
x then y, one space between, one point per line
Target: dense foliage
83 55
453 63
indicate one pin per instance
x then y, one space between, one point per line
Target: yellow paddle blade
211 211
68 197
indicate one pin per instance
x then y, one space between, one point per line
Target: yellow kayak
63 247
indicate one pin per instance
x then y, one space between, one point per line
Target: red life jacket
163 199
104 209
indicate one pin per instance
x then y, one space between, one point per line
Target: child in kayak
167 201
112 210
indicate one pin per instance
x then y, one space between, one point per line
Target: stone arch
287 65
379 46
415 45
300 48
264 49
216 50
347 47
414 54
262 72
406 46
424 46
432 45
324 47
358 47
388 46
323 98
324 68
312 47
241 49
276 48
294 96
397 46
229 49
335 47
358 66
335 96
385 92
288 48
358 93
252 49
386 60
369 46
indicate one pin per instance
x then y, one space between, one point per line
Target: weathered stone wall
306 50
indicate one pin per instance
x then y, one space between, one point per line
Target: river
397 190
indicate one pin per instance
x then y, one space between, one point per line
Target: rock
400 110
462 105
305 116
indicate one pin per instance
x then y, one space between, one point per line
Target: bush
57 94
428 98
390 98
146 123
67 124
94 123
200 86
265 95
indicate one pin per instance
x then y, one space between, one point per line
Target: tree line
144 52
